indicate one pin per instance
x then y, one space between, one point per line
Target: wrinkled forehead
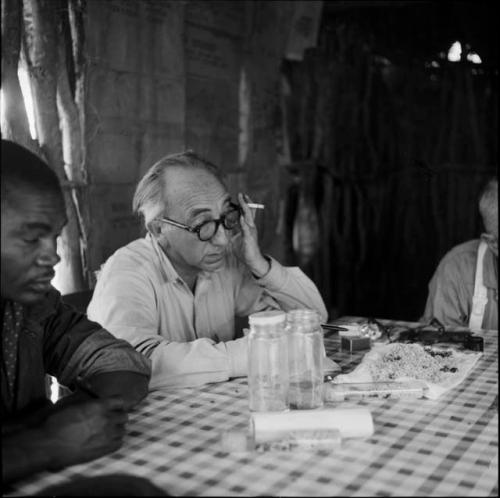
186 189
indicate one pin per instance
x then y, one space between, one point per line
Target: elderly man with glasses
464 288
174 294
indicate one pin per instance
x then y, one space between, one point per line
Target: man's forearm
260 266
24 453
132 387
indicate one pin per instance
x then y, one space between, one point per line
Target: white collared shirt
452 287
189 338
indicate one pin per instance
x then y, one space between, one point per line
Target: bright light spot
58 279
54 389
434 64
24 81
473 57
455 52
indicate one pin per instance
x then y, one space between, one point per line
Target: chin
29 297
215 266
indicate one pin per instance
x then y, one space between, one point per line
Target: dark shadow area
393 142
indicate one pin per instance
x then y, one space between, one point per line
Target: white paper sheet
362 372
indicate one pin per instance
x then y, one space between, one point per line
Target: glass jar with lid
267 361
306 352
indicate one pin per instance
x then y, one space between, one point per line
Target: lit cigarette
255 206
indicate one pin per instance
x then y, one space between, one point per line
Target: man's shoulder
135 254
460 260
462 252
51 315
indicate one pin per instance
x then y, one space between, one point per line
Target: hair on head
149 198
22 169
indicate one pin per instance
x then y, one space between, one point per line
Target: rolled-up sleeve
102 352
198 362
76 346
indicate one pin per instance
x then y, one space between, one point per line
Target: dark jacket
57 340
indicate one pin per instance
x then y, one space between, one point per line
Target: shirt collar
45 307
35 314
166 268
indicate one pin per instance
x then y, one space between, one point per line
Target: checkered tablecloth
421 447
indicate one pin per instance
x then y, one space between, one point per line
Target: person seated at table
41 335
464 288
174 294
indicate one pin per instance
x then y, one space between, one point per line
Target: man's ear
488 237
492 241
160 232
155 227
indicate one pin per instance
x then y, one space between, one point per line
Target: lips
40 286
215 257
46 278
42 283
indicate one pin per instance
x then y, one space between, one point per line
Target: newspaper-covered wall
213 60
168 75
233 54
267 29
135 108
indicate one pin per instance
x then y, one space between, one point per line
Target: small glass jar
267 362
306 352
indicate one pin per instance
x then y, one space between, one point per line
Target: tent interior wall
369 151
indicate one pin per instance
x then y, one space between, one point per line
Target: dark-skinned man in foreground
41 335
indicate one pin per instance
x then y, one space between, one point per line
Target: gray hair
488 205
149 199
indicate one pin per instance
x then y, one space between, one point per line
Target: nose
220 238
48 254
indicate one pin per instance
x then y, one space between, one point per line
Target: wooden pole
42 55
14 123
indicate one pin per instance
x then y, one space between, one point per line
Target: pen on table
254 205
333 327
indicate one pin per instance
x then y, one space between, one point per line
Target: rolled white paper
351 422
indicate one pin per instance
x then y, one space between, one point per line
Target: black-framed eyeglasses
208 229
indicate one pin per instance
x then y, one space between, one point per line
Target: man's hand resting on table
70 433
84 431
